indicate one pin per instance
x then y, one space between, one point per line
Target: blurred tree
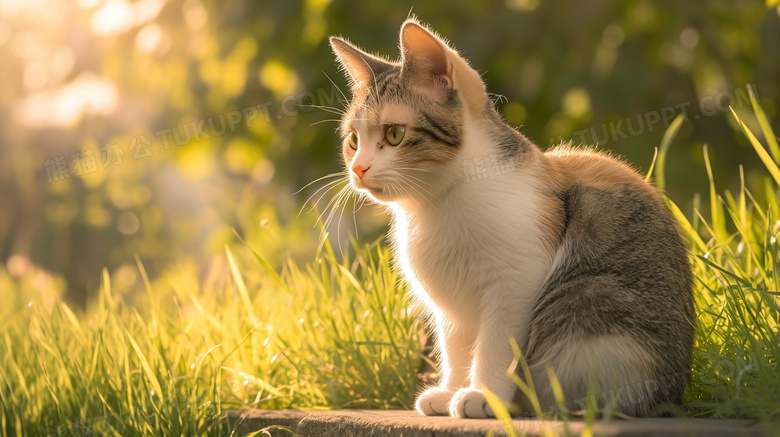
153 127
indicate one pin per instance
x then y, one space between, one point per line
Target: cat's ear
436 67
359 65
424 55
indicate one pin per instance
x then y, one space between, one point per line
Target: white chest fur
482 236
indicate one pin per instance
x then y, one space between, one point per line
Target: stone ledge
395 423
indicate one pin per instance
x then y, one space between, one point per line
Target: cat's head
404 129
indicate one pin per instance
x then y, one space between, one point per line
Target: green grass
331 334
737 268
339 332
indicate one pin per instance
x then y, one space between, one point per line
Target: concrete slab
394 423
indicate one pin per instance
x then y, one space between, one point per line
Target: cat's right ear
360 66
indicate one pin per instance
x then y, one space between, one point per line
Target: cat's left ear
436 68
424 56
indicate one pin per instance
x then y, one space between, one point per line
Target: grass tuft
336 333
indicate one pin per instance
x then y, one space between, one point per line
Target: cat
569 252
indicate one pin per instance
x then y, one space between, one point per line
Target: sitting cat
569 252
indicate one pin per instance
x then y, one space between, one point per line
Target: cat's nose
360 170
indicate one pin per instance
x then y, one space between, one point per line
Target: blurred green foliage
160 79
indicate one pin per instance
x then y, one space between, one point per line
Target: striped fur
569 252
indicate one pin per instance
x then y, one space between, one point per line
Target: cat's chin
380 195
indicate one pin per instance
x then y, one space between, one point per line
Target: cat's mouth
362 186
377 193
381 195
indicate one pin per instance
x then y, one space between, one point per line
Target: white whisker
341 173
330 185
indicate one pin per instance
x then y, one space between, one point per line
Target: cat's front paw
434 402
470 403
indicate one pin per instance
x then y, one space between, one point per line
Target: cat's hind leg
609 370
606 346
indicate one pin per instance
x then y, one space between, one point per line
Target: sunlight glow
118 16
87 95
87 4
5 32
195 15
149 38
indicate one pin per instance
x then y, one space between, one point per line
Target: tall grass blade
766 128
666 142
770 165
240 285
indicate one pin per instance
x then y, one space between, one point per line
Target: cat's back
588 167
614 217
605 208
617 235
620 284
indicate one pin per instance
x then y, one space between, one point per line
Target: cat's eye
395 134
352 140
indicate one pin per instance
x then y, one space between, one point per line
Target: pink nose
359 170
